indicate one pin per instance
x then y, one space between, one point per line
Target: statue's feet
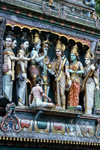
20 103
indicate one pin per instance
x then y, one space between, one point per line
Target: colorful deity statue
8 68
36 60
75 70
21 71
60 66
46 69
35 98
91 82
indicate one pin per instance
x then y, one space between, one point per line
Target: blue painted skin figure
90 3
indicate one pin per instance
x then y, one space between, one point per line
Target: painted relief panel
48 70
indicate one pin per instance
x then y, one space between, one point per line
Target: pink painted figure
35 97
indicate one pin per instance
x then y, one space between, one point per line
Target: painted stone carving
8 68
87 130
75 69
21 71
41 126
36 60
58 128
46 69
35 98
10 121
41 60
26 125
60 66
91 83
73 130
90 3
97 133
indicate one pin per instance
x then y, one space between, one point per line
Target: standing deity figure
75 70
46 69
60 66
14 45
35 98
91 82
36 60
8 68
21 71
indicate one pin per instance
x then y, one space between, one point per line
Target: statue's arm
81 69
14 58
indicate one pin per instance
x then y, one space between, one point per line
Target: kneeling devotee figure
35 97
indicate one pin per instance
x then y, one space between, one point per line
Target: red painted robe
73 96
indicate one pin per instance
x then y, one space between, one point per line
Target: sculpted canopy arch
30 29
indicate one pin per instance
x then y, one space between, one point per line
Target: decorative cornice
48 141
57 14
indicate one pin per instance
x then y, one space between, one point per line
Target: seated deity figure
8 68
90 83
35 68
35 97
75 70
60 66
21 71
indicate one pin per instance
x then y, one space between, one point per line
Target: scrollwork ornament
11 121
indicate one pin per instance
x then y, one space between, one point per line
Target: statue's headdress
89 55
60 46
45 42
36 38
74 50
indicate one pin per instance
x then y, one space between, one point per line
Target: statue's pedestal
41 125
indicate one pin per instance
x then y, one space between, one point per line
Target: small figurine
60 67
8 68
75 69
21 71
91 82
35 98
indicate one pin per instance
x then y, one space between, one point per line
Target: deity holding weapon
60 67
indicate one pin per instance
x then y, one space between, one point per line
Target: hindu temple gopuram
49 75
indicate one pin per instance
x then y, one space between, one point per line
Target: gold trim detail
59 34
